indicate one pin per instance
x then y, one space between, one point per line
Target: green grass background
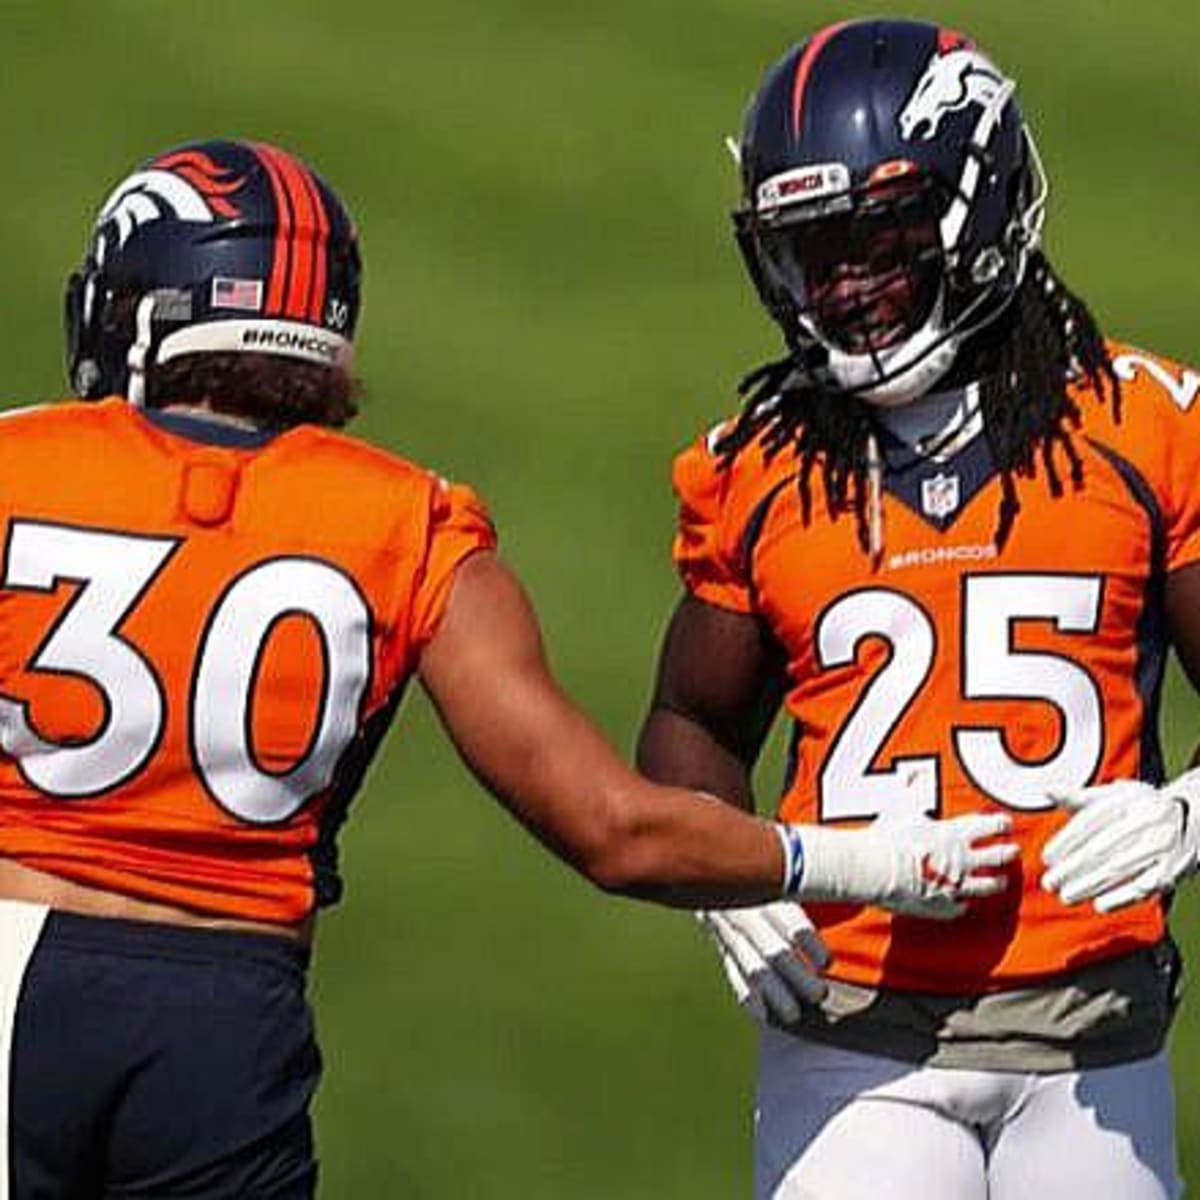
553 306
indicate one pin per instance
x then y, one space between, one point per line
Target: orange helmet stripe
804 68
949 39
209 179
283 239
304 226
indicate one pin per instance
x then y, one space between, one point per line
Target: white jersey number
850 785
226 671
1183 388
849 788
114 571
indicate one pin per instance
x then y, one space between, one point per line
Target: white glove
771 956
912 865
1127 841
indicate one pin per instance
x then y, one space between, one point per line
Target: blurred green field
553 306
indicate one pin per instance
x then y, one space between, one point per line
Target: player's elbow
628 855
612 871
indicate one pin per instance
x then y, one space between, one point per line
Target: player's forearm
684 848
570 788
540 754
674 749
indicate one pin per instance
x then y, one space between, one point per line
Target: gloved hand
772 956
913 865
1126 841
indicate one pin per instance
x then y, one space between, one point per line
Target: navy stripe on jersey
1151 630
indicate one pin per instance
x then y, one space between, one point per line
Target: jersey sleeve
1164 396
1183 525
459 525
706 555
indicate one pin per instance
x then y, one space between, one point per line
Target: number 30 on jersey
115 571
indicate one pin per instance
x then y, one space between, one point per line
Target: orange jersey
956 677
201 646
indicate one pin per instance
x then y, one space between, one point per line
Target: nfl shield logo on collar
939 496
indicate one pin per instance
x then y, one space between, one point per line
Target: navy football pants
155 1061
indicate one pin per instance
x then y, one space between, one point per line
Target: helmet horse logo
949 84
187 186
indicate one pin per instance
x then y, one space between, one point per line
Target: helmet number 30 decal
992 668
114 571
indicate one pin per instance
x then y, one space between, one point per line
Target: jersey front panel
954 677
200 647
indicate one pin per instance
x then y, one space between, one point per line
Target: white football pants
834 1124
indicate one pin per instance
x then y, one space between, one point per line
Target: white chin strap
899 374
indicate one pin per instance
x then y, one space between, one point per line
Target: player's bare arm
1182 603
719 685
720 682
548 763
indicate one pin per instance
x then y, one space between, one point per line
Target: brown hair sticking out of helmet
265 388
1045 339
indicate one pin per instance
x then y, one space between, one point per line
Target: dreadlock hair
1046 339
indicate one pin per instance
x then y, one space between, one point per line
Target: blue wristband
793 857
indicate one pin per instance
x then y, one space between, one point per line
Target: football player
953 532
210 603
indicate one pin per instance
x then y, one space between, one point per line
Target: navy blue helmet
891 194
223 246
